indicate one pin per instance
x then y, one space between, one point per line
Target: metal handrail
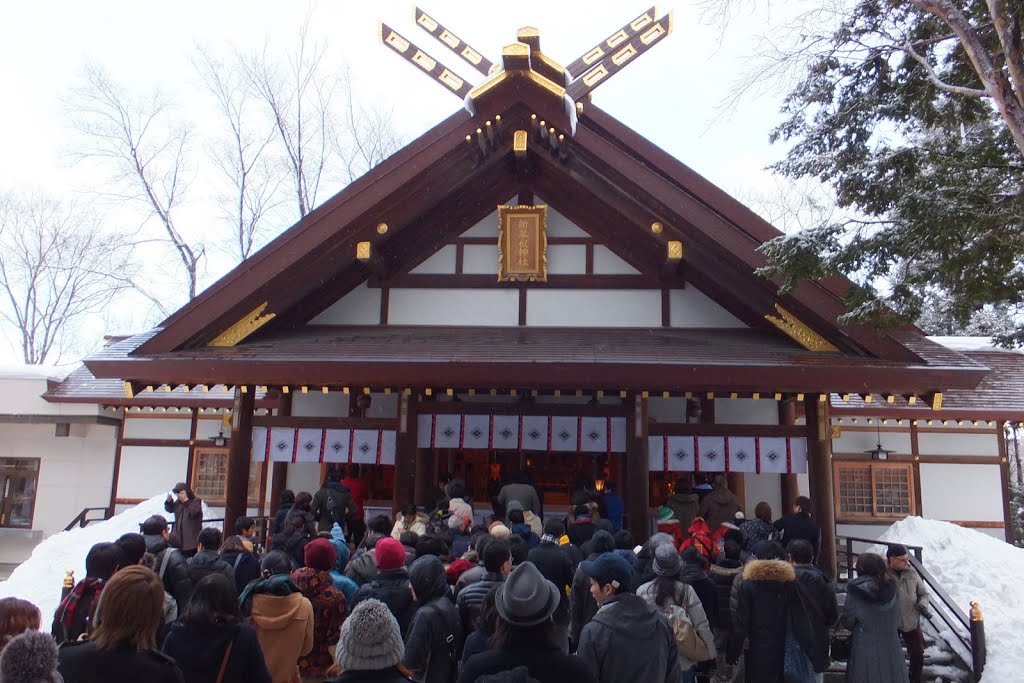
81 519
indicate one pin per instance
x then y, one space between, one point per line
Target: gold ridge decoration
249 323
799 332
522 243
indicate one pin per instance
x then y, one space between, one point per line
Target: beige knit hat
370 639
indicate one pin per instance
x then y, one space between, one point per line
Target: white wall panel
361 306
559 225
593 308
454 307
746 411
567 259
961 492
766 487
148 470
957 444
689 307
441 262
157 428
667 410
304 476
607 263
480 259
859 442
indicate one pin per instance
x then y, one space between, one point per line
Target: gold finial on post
68 584
976 614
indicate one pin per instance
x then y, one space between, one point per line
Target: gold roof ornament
799 332
252 321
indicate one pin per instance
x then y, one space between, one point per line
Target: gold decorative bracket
937 401
429 65
799 332
249 323
452 42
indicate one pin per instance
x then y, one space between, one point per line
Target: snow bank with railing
40 577
971 565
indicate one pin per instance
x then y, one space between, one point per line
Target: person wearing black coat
695 575
818 598
582 528
333 503
497 565
188 516
554 565
391 584
434 644
768 612
210 637
206 561
299 529
170 565
799 525
284 507
245 567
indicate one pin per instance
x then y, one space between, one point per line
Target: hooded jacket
345 506
799 525
531 659
913 599
719 506
199 650
872 613
684 507
244 567
471 598
299 529
433 646
686 598
328 615
628 641
176 577
284 625
700 538
342 582
723 576
391 588
207 562
767 605
697 578
818 598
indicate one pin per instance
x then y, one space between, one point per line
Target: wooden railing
946 614
82 518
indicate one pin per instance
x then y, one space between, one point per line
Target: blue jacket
338 578
615 507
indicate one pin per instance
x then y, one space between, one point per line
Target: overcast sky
671 94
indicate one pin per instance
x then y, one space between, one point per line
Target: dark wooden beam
1004 484
789 483
819 474
637 469
236 496
115 475
404 490
279 470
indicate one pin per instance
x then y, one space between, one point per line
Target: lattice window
210 476
884 490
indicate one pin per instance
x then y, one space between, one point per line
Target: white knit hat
370 639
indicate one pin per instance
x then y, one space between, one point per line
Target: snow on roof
971 344
971 565
38 579
54 372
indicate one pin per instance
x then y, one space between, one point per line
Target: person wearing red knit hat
391 584
314 580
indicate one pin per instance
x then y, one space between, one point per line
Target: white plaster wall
157 428
480 259
958 444
74 472
859 442
871 531
689 307
766 487
593 308
148 470
667 410
317 404
567 259
441 262
607 263
961 492
804 482
559 225
383 406
498 307
24 396
361 306
304 476
746 411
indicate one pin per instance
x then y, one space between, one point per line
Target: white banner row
523 432
757 454
293 444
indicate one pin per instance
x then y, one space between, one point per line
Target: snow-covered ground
40 577
971 565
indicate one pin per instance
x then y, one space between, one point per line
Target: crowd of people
433 596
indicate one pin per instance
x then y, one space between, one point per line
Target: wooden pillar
638 471
915 453
279 470
819 474
404 489
1004 476
239 457
116 474
790 485
193 434
425 477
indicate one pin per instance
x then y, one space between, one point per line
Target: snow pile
971 565
39 578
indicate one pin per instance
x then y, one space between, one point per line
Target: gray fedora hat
526 598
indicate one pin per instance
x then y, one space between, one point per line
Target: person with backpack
299 528
435 638
333 503
626 640
207 561
391 584
281 615
170 563
681 605
245 567
76 610
210 642
818 598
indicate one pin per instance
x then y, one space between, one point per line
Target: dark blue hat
609 568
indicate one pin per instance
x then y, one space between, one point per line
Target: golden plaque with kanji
522 243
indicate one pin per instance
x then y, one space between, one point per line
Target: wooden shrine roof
637 359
